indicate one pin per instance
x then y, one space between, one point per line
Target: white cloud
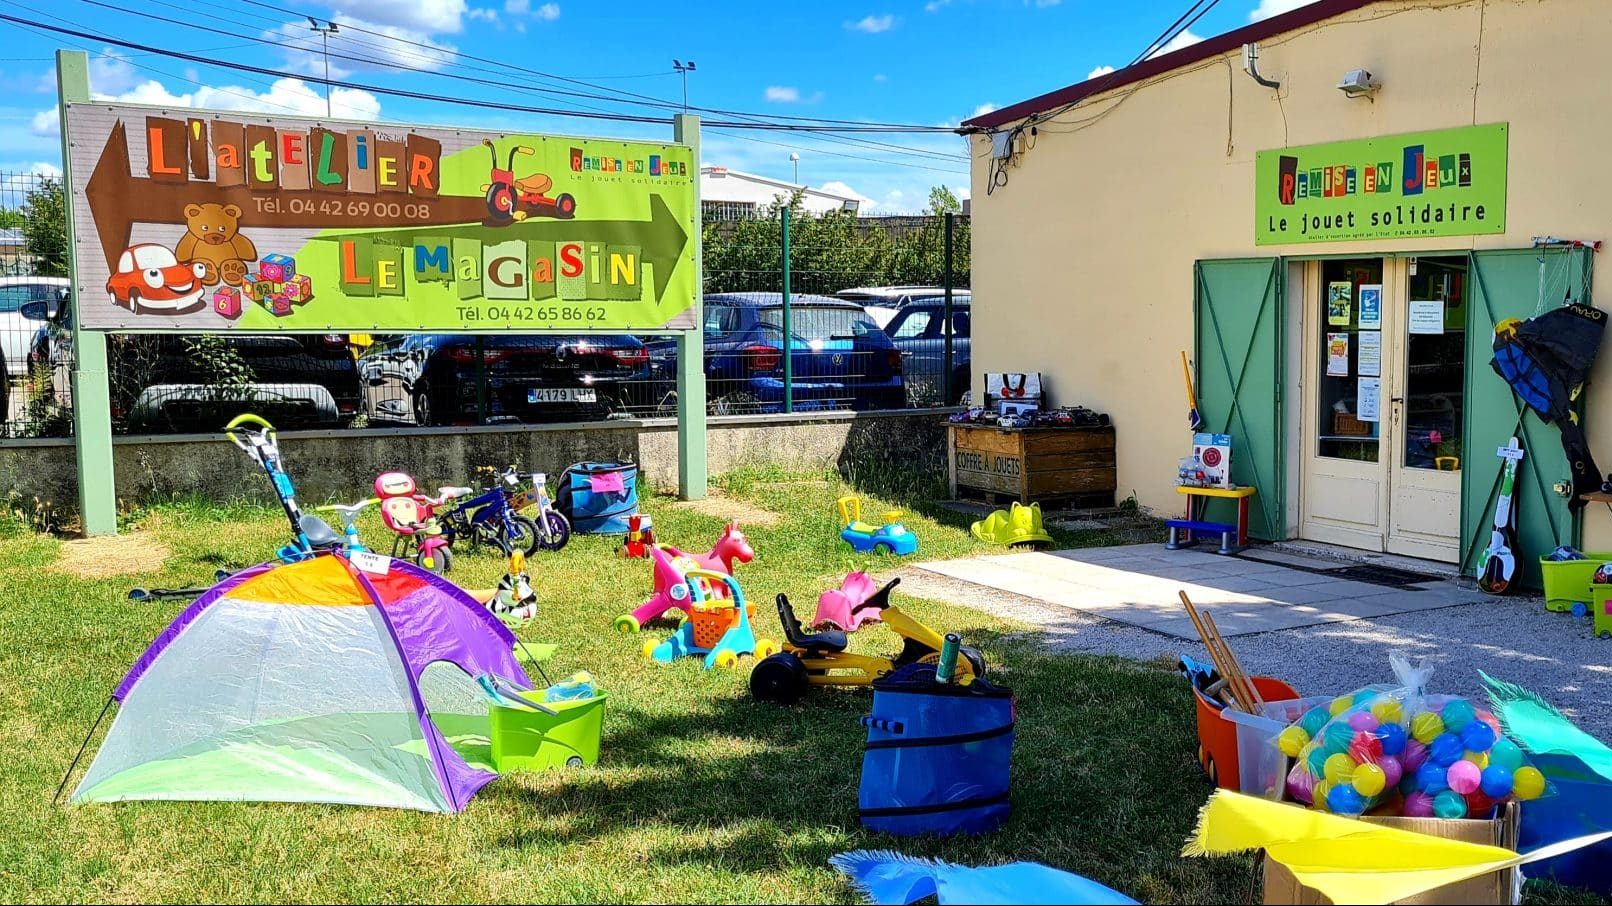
782 94
429 16
873 24
386 45
517 7
880 77
981 110
287 96
1269 8
487 14
548 12
935 6
1043 4
1099 72
1186 38
836 187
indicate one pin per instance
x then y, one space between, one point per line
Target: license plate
562 395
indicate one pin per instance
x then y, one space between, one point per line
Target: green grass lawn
701 794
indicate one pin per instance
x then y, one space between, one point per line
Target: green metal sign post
692 475
92 407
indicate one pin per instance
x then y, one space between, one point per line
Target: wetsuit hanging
1546 360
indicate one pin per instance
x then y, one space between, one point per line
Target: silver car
16 329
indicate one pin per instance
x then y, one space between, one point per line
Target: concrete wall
341 465
1083 262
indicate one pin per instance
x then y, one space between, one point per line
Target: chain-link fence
862 301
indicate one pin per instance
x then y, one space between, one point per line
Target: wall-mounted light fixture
1358 83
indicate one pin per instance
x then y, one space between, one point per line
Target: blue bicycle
488 518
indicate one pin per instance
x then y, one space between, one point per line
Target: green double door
1246 375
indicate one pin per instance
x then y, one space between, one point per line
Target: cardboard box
1499 887
1213 453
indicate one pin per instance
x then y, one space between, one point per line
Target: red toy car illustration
150 280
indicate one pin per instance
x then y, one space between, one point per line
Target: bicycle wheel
556 532
440 562
520 534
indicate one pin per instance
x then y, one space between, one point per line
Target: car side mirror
41 309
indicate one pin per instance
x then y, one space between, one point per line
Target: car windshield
822 323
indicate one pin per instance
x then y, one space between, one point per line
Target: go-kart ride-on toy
820 659
892 537
720 631
671 598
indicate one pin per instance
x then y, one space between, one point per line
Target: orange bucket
1217 736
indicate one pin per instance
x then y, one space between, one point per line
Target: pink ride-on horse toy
671 590
837 607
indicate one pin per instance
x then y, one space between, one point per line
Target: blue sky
929 62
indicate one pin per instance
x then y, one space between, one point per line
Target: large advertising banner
1446 183
216 221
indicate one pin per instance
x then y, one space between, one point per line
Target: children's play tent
310 682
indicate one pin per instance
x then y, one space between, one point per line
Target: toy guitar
1500 561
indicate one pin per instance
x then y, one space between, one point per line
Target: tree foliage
837 250
44 226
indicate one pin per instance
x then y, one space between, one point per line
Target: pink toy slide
835 606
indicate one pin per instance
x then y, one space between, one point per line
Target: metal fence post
92 405
948 392
789 350
692 465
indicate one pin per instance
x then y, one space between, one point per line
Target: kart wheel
627 624
556 532
726 659
565 205
780 678
883 548
575 761
766 648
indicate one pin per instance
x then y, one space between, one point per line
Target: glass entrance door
1384 411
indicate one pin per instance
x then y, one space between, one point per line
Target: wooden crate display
1033 464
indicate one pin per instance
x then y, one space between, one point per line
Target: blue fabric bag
598 496
938 757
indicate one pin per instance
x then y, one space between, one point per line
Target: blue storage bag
1580 804
598 496
938 758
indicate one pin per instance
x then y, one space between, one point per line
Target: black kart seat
828 640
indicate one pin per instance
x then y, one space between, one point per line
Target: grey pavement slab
1140 584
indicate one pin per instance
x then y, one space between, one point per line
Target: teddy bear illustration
213 238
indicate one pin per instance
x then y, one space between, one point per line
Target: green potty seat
547 736
1021 526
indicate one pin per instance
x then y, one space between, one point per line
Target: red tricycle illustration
510 200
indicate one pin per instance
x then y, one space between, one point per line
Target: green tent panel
1240 313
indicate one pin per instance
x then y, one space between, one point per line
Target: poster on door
1371 353
1371 307
1426 316
1368 399
1337 355
1340 296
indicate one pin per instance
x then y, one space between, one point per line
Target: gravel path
1513 639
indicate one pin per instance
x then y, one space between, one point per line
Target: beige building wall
1083 261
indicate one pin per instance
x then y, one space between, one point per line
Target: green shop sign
1446 183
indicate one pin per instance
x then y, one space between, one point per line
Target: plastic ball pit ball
1339 769
1337 737
1366 747
1415 754
1343 800
1393 739
1464 777
1319 795
1527 783
1393 771
1388 711
1496 782
1505 754
1339 705
1426 727
1314 720
1457 714
1431 778
1418 805
1445 750
1449 804
1292 740
1368 780
1362 721
1477 737
1481 759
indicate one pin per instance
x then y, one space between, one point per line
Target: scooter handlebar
246 424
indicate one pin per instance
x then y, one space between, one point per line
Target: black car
463 379
163 383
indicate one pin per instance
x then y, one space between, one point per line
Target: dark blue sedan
839 356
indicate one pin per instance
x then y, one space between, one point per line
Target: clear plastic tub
1261 766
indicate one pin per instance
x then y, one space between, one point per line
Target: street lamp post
684 69
325 31
794 158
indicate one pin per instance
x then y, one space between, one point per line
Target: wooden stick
1221 666
1250 694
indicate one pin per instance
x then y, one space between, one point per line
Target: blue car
919 334
840 358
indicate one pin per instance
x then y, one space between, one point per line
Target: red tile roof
1209 47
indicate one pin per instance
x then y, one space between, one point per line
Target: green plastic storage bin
1567 582
533 740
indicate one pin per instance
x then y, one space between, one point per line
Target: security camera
1358 83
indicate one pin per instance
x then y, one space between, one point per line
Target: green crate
532 740
1602 614
1567 582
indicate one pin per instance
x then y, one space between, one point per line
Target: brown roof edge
1147 69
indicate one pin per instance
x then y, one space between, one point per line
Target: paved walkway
1140 585
1515 639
